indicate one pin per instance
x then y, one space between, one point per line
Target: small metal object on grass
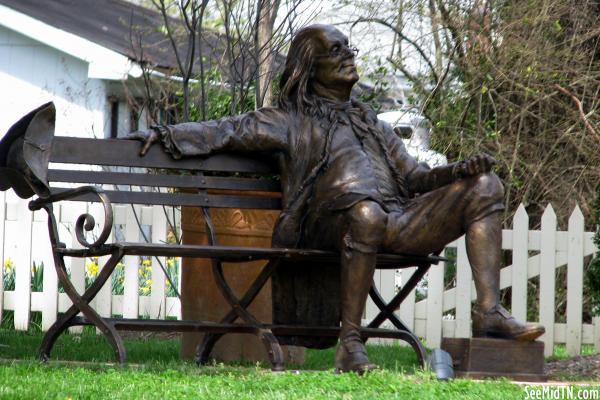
440 363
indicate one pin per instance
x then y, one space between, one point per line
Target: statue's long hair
295 94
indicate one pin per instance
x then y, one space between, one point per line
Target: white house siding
32 73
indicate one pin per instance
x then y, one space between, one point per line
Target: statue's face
334 61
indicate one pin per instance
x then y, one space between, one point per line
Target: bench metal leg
391 316
81 304
238 310
210 339
265 335
399 297
387 312
406 334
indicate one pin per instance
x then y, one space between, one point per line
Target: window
114 117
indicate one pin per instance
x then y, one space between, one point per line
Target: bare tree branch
579 106
403 37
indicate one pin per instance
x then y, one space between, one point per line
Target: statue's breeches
423 225
432 220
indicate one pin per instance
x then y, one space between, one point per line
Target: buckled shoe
499 323
351 355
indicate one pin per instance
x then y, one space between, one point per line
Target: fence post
463 291
519 267
50 278
131 287
23 267
2 229
103 301
157 294
77 264
387 288
575 282
596 327
177 223
407 308
385 282
548 277
435 296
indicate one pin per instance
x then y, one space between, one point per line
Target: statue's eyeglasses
338 51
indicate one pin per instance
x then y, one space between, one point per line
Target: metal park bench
226 173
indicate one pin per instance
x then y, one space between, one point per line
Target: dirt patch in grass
575 368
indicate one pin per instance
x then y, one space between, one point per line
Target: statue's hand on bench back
147 137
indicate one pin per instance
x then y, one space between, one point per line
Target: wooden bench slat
119 152
163 180
181 199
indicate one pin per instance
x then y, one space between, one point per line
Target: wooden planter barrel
200 297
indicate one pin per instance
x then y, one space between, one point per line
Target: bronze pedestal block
492 358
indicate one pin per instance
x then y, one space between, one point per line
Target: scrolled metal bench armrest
85 221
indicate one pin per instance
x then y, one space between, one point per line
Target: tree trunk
266 19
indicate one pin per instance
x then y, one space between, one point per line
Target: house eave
103 63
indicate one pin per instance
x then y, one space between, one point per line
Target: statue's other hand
479 164
148 137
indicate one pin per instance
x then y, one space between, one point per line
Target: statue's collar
335 105
343 112
330 109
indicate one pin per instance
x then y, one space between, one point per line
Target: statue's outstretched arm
264 130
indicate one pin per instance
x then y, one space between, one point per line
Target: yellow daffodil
91 269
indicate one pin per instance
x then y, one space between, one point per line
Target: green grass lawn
154 371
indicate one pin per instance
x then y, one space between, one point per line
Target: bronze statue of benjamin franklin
349 184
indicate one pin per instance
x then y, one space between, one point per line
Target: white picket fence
23 240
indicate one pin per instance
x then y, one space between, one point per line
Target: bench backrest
221 180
